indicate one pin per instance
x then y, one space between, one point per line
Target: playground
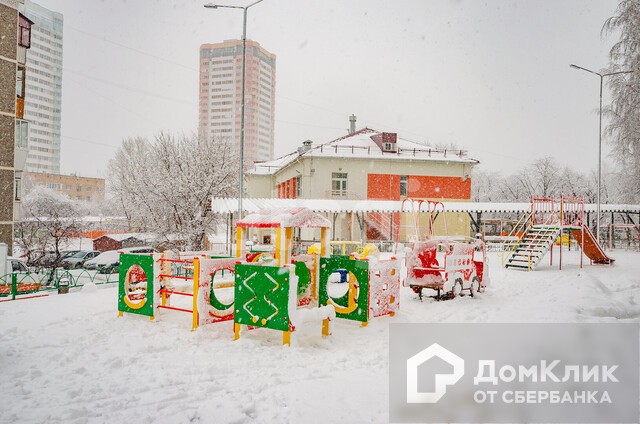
200 338
68 358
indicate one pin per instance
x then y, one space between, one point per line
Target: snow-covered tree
484 186
541 179
50 219
624 112
164 185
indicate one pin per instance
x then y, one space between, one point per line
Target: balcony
21 144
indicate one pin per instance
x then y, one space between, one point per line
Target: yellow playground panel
348 247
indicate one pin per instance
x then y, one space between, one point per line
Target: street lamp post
244 60
599 141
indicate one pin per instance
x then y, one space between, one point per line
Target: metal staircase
383 223
527 253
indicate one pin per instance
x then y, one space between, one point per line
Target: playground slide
591 247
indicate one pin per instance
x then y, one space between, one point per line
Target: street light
599 140
244 59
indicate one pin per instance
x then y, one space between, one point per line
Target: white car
109 261
16 265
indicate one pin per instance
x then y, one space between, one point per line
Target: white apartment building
44 89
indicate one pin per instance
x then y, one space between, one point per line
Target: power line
124 46
308 125
115 102
88 141
126 87
181 65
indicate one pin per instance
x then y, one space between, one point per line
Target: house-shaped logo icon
442 380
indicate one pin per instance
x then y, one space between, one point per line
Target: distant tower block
221 96
352 124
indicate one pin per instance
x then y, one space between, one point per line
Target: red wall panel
439 187
383 187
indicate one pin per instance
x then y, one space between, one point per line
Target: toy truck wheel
457 288
476 286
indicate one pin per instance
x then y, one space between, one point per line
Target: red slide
591 247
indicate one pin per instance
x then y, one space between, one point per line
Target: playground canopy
299 217
251 205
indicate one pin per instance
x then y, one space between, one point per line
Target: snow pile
285 217
89 288
69 358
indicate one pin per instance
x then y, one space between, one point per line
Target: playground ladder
531 248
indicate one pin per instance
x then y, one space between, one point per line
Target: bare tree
624 112
50 219
165 185
484 186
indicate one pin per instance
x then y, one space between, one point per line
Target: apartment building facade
79 188
15 38
43 103
220 100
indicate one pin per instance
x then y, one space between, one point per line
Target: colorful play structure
448 266
543 225
276 290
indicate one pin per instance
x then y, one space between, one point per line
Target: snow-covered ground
69 358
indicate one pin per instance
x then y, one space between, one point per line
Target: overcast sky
493 77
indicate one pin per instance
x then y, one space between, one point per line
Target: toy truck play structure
449 267
280 291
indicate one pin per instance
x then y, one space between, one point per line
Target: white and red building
370 165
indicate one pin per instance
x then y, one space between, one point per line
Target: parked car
48 259
16 265
26 283
37 258
108 262
78 259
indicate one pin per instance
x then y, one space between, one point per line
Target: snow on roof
121 237
284 217
361 145
230 205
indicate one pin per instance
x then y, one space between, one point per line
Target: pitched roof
361 145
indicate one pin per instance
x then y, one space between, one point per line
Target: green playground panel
360 269
261 296
146 263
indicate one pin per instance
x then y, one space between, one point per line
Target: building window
22 133
299 186
338 183
18 195
24 31
403 185
20 81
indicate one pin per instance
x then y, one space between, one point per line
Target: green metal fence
44 281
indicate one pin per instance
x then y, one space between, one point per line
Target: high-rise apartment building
15 38
44 89
221 96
